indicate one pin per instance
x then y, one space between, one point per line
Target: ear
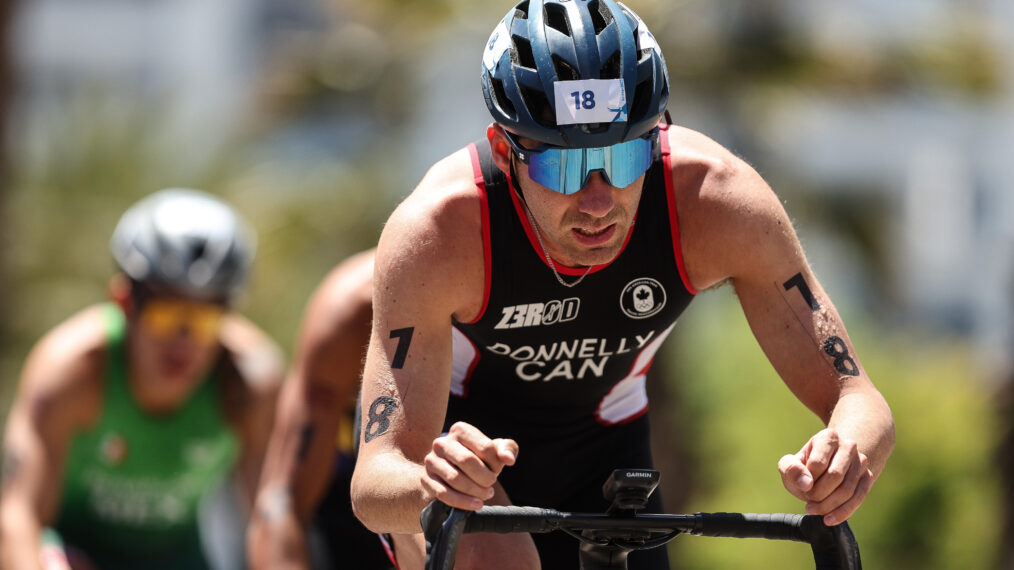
119 293
500 147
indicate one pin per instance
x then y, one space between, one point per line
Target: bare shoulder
730 218
432 243
345 294
63 377
336 329
258 359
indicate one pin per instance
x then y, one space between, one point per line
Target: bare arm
260 366
57 393
429 268
24 491
320 391
738 230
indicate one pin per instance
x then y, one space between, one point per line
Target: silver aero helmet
186 241
574 73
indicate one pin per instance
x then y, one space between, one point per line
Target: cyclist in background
517 304
130 412
303 512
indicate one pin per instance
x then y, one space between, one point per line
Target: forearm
387 494
19 540
865 417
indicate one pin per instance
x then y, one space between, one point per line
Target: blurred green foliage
933 507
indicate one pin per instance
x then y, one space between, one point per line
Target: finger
448 474
850 506
479 444
440 491
846 460
823 447
464 461
839 495
795 477
506 450
804 453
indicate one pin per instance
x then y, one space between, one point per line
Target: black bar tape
513 519
774 526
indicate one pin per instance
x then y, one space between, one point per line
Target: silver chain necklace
549 260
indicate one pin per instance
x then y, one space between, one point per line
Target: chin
597 256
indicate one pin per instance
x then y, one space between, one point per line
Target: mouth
594 236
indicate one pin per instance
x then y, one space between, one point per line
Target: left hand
830 474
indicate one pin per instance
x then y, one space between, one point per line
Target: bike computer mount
627 490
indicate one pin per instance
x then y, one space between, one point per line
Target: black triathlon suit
562 370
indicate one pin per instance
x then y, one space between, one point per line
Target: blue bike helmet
187 241
549 56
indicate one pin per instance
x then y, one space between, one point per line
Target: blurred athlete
130 412
303 512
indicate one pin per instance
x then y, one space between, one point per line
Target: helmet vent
521 11
600 16
611 68
556 18
522 53
564 71
539 106
501 98
642 95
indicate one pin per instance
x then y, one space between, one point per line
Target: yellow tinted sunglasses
168 318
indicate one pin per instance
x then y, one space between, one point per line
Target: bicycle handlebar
834 548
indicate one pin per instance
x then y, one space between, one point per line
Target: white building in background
197 61
194 55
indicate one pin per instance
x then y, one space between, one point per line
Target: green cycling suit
134 481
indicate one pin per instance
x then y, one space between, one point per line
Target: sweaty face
586 228
173 344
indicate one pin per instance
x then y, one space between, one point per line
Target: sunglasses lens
566 170
628 161
167 318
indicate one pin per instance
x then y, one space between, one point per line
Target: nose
596 198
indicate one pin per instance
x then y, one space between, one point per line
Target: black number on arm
379 422
404 337
798 282
843 362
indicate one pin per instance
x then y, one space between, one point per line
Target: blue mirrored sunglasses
566 170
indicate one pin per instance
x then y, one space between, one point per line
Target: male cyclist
522 289
131 411
303 513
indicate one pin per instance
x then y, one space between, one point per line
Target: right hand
464 464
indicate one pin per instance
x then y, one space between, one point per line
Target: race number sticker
498 43
590 101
